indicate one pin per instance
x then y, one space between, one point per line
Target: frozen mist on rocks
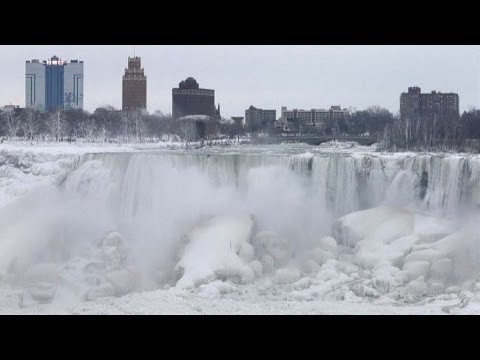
252 229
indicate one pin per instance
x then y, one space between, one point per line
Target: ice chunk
42 281
287 275
441 269
453 290
257 267
371 254
328 243
267 263
247 252
311 266
321 256
115 250
123 281
102 290
416 289
431 228
213 251
270 243
382 223
436 288
422 255
247 275
416 269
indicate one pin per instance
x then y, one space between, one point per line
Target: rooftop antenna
133 50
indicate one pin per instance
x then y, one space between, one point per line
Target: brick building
190 99
134 90
427 105
314 118
259 117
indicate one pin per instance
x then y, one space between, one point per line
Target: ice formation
288 225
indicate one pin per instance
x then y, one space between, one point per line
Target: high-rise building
73 85
414 104
54 84
134 86
190 99
260 117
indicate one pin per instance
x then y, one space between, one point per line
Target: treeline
372 120
104 124
434 133
108 124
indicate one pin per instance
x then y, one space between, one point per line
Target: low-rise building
255 117
10 108
282 124
317 119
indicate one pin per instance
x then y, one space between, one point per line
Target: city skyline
263 76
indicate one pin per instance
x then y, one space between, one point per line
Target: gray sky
263 76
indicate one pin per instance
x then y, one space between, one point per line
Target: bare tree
126 125
56 125
133 125
88 128
137 125
30 124
12 124
187 130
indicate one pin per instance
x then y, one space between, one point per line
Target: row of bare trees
106 124
433 133
109 124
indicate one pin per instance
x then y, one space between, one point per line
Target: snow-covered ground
65 148
173 301
95 245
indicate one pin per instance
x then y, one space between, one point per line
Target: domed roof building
190 99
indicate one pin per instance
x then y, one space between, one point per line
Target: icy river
281 229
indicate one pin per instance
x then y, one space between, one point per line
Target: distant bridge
313 139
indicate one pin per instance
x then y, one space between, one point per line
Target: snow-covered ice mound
412 253
21 171
379 224
219 248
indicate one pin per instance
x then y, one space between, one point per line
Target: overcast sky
264 76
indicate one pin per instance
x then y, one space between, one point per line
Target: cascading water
343 183
153 199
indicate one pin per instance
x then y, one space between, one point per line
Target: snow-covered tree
30 123
88 128
56 125
12 123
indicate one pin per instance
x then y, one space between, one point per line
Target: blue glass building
54 84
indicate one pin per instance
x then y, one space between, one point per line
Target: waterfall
152 199
132 182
